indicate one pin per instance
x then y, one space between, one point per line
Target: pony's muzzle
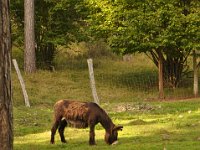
114 143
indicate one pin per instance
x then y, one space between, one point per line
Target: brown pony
83 115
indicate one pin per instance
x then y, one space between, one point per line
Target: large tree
57 22
6 130
29 37
167 30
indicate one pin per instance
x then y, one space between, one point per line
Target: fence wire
119 81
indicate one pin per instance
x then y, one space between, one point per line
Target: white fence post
92 81
21 82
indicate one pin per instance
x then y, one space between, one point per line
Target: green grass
175 125
148 125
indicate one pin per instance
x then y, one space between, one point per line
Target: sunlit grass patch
143 129
33 138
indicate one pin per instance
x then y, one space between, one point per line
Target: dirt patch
134 107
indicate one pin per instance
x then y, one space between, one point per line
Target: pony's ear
117 128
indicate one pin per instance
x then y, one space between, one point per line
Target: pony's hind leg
61 129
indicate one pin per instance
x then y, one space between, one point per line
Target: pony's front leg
61 129
92 135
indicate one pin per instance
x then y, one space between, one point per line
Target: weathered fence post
92 81
160 76
22 83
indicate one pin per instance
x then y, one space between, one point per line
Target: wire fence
120 80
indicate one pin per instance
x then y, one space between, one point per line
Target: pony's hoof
92 144
64 142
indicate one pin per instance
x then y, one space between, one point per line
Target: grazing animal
83 115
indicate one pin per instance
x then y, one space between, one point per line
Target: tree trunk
6 130
174 67
195 68
29 35
160 75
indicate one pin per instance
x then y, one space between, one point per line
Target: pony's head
112 136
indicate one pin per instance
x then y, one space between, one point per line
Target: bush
77 51
18 54
99 49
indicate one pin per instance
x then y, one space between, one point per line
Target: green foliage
131 26
17 12
18 54
56 23
126 26
99 49
80 51
170 27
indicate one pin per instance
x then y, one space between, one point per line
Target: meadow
148 124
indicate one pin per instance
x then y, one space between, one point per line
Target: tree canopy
56 23
128 26
132 25
150 26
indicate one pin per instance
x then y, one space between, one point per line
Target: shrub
77 51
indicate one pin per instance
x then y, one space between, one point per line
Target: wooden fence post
160 76
195 69
92 81
21 82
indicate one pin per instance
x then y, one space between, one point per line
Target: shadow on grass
37 120
184 140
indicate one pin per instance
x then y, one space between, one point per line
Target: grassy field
155 125
148 125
